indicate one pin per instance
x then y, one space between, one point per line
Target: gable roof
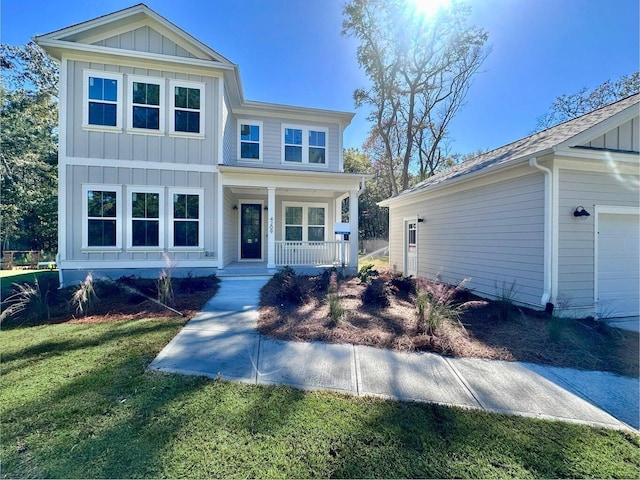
100 28
571 133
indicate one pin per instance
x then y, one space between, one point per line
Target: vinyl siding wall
273 143
576 236
491 234
138 146
77 176
145 39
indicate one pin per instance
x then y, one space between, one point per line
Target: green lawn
77 401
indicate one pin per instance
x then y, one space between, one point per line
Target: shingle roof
525 147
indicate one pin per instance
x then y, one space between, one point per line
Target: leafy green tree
565 107
420 70
28 149
373 220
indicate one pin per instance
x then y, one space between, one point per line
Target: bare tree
420 71
565 107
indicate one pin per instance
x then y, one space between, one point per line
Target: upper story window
250 140
304 145
186 218
147 110
146 217
187 104
102 95
102 216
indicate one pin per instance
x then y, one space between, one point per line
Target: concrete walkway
222 342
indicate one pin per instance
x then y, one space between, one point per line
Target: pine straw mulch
298 310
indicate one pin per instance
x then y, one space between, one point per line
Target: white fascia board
58 46
302 113
409 198
289 179
603 127
598 155
144 164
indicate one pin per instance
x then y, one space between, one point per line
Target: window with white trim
186 218
304 145
102 99
146 217
249 140
146 111
304 222
102 216
187 107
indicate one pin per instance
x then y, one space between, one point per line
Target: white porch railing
311 253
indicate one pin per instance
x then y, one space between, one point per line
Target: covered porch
279 218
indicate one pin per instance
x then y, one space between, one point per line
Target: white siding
491 234
576 236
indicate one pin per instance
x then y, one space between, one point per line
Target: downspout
548 234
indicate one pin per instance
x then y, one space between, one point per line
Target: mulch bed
298 310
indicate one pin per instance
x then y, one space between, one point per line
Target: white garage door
618 275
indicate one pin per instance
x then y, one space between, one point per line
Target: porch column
353 224
220 221
271 227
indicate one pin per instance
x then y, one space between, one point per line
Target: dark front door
250 230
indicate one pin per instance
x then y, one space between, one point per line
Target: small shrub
27 302
288 288
84 296
367 273
336 310
404 286
377 293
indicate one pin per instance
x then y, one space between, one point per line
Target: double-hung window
305 222
250 140
304 145
186 209
146 217
102 93
187 106
102 216
146 111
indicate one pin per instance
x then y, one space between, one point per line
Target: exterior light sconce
420 220
265 208
235 207
580 212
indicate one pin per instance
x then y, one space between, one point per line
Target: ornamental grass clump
84 296
27 302
437 303
336 310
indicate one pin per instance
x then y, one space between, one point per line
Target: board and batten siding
88 143
273 141
626 137
145 39
576 236
491 234
77 176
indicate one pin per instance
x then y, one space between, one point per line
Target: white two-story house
162 161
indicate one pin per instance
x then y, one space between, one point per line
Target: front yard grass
76 400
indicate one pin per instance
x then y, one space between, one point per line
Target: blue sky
291 52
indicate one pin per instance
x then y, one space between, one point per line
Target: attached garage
617 261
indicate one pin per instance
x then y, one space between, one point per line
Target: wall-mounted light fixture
420 220
235 207
265 208
580 212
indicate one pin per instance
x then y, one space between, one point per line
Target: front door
251 231
411 248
